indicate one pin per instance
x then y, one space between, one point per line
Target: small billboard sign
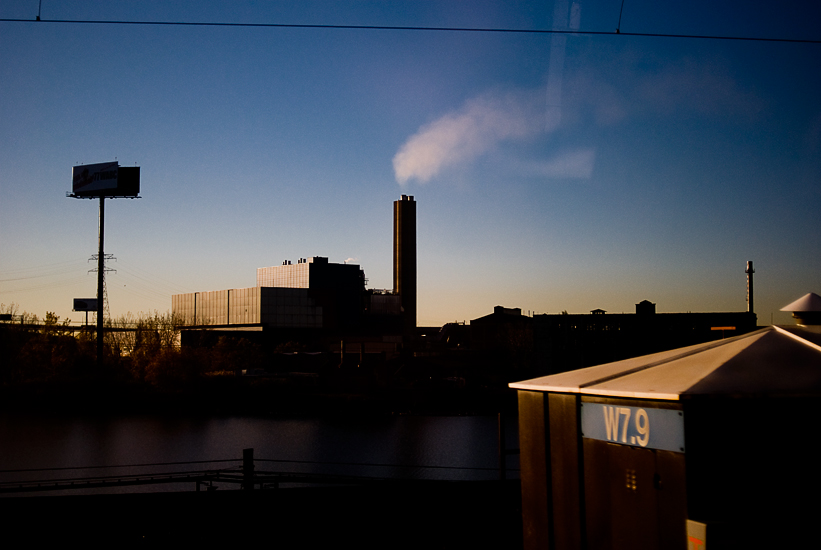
85 304
105 179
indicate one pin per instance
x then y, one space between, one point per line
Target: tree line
138 349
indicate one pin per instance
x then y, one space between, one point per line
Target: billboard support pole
105 179
100 285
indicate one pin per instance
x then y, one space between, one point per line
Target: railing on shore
241 472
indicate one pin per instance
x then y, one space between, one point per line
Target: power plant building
315 273
314 295
242 307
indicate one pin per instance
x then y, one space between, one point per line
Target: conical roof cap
808 302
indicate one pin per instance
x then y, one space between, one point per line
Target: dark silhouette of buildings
561 342
326 307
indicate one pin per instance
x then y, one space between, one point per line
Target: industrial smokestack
749 272
404 260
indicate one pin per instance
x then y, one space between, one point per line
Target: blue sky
551 172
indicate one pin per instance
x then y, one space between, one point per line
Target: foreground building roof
773 361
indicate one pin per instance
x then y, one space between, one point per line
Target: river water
417 447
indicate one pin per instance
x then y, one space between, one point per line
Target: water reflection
453 448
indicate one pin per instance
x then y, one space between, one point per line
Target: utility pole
100 286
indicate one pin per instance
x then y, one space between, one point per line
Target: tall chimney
404 260
749 272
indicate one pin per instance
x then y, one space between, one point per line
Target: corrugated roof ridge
705 347
816 347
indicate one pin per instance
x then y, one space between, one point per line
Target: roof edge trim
816 347
599 392
536 387
633 394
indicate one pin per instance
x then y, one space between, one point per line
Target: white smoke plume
571 164
466 134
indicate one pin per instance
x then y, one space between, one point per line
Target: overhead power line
410 28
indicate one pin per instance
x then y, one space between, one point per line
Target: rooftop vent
806 310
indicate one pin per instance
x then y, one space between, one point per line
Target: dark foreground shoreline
241 396
389 514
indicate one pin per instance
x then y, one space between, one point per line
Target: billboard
106 179
85 304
